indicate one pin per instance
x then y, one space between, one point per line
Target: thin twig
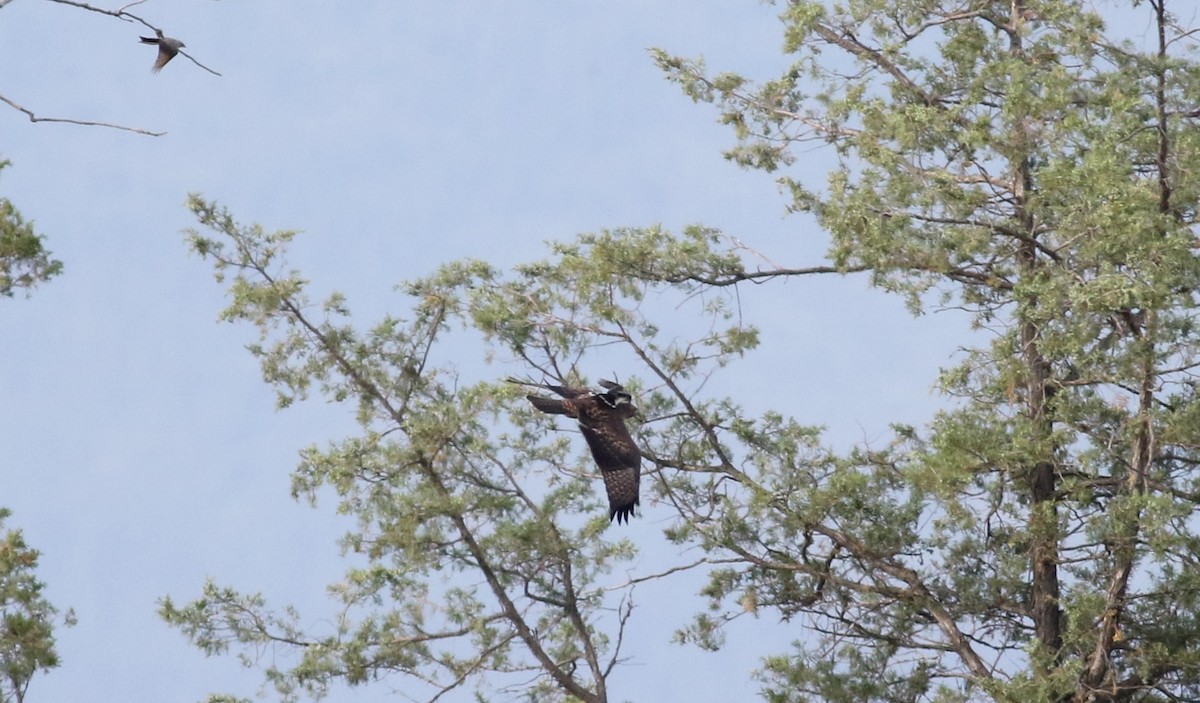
86 123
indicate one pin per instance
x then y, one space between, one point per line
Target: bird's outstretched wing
622 488
620 464
163 57
554 406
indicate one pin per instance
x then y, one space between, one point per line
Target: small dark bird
167 48
601 419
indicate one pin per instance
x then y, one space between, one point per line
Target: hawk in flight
601 419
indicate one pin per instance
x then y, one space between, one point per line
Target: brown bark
1043 514
1039 393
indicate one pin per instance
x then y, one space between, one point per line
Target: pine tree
24 260
1035 542
27 619
1023 162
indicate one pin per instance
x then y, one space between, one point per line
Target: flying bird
601 419
167 48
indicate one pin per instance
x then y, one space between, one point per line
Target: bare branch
125 16
120 14
87 123
193 60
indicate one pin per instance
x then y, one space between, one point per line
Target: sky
139 449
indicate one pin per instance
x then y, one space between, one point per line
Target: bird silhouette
167 48
601 418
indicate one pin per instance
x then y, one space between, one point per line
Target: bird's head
617 398
624 404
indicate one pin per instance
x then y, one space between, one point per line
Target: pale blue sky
140 450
